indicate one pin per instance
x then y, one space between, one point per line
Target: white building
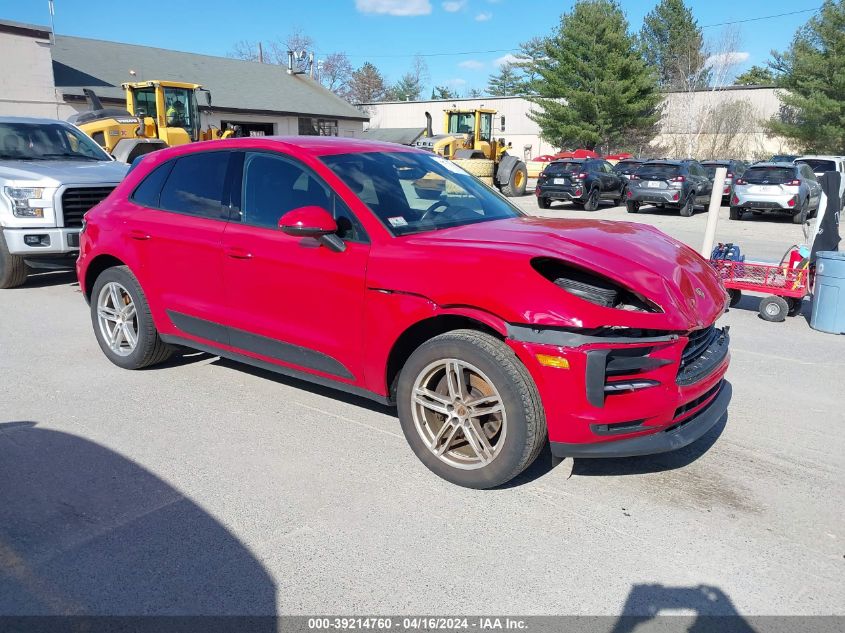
701 124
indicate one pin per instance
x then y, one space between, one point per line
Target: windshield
47 141
412 193
769 175
783 158
817 165
561 167
710 168
658 171
461 122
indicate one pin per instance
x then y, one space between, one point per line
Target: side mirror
313 222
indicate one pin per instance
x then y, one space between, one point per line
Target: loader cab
477 125
172 106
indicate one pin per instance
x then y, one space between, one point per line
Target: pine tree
671 41
755 76
506 83
594 88
813 79
443 92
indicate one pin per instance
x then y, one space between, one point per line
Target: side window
606 168
274 185
485 131
147 194
195 185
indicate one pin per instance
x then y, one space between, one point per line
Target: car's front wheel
13 269
122 321
470 410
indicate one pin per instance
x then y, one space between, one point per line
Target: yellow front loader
158 114
468 140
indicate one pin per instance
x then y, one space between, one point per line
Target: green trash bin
829 293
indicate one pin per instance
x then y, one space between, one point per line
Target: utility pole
52 27
260 52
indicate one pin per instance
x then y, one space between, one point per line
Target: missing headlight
591 287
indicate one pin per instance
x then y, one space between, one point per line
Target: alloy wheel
459 414
117 318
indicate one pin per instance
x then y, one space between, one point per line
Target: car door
176 228
290 300
703 184
612 180
813 185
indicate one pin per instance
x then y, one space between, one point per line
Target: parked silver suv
776 188
824 164
51 173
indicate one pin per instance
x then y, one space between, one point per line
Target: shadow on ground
702 608
45 278
85 531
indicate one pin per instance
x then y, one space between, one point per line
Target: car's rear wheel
735 213
13 269
801 216
122 321
688 207
470 410
544 203
592 202
632 206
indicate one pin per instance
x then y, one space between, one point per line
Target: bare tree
335 73
276 51
245 50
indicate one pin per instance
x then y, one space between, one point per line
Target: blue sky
387 32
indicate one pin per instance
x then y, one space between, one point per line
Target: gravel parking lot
208 487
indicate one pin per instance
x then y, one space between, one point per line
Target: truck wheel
515 186
544 203
688 208
735 296
122 321
735 213
773 308
13 269
470 410
592 202
632 206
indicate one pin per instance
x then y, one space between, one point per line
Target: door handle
236 252
137 234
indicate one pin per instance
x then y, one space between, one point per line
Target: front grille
704 351
699 340
79 200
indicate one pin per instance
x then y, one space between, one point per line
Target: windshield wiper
69 155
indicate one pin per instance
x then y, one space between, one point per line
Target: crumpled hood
497 255
63 172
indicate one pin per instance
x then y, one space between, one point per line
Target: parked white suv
51 173
823 164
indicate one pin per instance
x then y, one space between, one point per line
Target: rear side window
147 194
769 175
195 185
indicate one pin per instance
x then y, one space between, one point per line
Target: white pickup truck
50 175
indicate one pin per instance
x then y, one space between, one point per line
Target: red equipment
788 283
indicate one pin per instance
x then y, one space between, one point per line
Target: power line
763 17
511 50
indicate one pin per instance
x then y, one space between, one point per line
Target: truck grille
77 201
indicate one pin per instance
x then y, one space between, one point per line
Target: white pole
713 211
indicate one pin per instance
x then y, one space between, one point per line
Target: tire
544 203
735 296
801 216
489 366
773 308
593 198
632 206
149 349
735 213
688 208
517 181
478 167
796 306
13 269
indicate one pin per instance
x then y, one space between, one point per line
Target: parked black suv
735 169
584 181
676 184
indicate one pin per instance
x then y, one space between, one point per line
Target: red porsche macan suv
493 332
